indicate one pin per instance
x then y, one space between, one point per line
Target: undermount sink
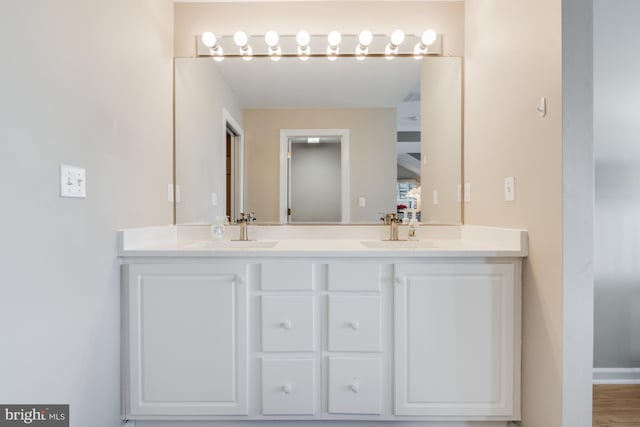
233 244
398 244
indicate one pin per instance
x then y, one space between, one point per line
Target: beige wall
87 83
201 96
445 17
512 58
373 156
441 124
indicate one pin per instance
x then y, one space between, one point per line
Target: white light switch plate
214 199
435 197
362 202
170 193
509 189
467 192
73 181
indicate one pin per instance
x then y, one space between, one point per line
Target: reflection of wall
512 58
617 162
441 133
447 17
95 93
372 154
201 95
315 182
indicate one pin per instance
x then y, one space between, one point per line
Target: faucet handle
390 217
244 217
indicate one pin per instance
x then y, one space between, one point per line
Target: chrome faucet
392 220
244 223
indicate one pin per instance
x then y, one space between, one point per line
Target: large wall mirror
315 141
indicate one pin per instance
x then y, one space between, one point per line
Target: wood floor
616 405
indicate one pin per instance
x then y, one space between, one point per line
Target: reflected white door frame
285 134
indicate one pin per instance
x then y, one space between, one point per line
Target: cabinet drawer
288 323
286 276
354 323
288 386
354 277
354 386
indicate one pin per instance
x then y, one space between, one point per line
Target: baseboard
616 375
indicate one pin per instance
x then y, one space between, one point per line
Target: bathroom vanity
321 323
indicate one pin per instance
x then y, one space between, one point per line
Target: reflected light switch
362 202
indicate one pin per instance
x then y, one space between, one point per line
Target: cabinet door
457 340
187 340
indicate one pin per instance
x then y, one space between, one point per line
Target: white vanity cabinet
334 338
184 340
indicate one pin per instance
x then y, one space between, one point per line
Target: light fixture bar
317 46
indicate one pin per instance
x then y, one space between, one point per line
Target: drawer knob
355 387
287 389
354 324
286 324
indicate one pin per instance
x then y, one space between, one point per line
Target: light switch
362 202
214 199
435 197
509 189
73 181
467 192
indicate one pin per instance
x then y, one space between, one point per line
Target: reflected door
314 182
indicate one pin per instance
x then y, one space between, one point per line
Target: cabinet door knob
355 387
286 324
287 389
354 324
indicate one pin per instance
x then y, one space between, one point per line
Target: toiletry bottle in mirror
217 230
413 228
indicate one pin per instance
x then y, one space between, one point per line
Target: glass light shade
271 38
208 39
365 38
428 37
240 38
334 38
397 37
303 38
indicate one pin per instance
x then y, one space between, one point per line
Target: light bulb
428 37
271 38
390 52
240 38
365 38
275 53
334 38
361 52
397 37
303 53
208 39
332 53
303 38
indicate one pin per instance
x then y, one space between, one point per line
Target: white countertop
323 241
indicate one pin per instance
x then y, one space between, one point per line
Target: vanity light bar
331 46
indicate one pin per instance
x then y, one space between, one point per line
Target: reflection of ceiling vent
412 97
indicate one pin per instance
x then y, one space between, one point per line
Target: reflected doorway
314 176
314 194
234 160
